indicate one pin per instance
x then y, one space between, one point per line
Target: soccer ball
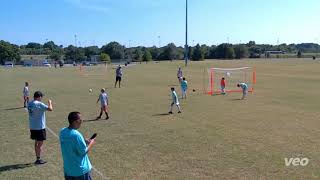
90 90
228 74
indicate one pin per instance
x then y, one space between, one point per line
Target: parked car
46 64
86 63
8 64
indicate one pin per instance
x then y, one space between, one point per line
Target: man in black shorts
118 76
37 123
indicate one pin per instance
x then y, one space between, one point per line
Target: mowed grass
215 137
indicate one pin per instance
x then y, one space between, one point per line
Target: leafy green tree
74 54
138 55
170 52
114 49
155 52
33 45
50 45
55 55
224 51
147 56
240 51
105 58
9 52
198 54
91 51
299 54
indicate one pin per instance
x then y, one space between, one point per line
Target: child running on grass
175 101
103 98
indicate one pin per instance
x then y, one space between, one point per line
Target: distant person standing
26 94
118 76
223 85
37 123
244 88
184 88
179 74
74 149
175 101
103 98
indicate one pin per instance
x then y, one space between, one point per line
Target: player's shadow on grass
15 167
11 109
237 99
93 120
162 114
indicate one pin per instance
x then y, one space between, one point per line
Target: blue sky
140 22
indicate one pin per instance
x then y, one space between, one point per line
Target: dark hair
223 78
73 116
172 89
38 94
183 78
27 83
238 85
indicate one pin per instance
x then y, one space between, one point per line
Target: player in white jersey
26 94
103 98
175 101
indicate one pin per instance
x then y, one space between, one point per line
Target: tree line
115 51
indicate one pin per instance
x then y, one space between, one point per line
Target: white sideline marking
97 171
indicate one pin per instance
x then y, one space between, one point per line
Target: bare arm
91 143
50 108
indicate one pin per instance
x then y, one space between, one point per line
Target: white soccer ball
90 90
228 74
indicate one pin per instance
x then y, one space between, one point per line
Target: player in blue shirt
184 88
74 149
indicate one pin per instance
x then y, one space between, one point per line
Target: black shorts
38 135
118 78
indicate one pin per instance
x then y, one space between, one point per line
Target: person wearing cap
74 149
118 76
103 98
37 123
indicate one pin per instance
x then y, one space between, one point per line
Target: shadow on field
92 120
162 114
237 99
15 166
11 109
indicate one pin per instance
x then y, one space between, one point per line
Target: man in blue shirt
75 148
37 123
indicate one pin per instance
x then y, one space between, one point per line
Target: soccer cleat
99 117
107 118
40 161
179 111
170 112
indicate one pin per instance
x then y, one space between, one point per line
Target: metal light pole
186 45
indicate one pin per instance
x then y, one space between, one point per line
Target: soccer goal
95 70
232 76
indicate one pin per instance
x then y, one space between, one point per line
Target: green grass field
215 137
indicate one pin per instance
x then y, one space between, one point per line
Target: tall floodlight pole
186 45
75 40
